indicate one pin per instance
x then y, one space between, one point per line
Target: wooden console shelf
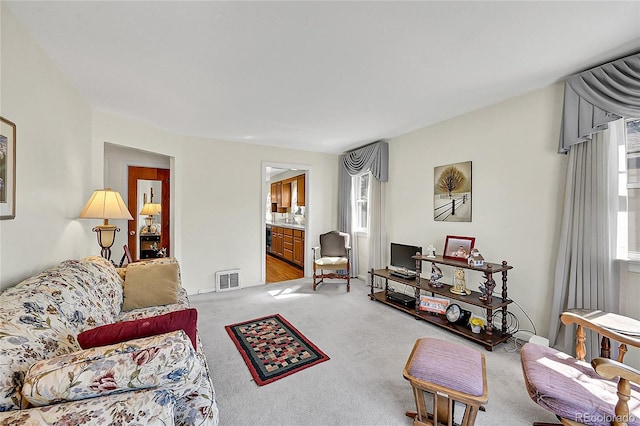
491 335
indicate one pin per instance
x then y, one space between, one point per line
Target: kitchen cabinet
288 244
298 247
277 241
282 191
274 193
276 196
287 248
285 194
300 181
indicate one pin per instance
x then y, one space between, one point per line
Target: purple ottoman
444 375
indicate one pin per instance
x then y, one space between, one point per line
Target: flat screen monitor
401 256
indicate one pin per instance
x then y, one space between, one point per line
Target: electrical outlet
539 340
528 336
523 335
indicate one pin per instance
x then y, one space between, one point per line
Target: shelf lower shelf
488 341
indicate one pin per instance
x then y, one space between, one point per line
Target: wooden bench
444 375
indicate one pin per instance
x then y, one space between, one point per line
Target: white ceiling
320 76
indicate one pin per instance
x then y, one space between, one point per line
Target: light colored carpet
362 383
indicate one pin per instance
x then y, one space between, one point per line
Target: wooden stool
451 374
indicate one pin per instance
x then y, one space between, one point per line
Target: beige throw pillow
150 285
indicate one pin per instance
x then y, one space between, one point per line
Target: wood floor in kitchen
279 270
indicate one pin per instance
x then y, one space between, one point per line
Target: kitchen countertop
287 225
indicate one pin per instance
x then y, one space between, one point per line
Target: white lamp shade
105 204
150 209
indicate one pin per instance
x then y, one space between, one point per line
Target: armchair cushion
109 334
167 359
566 386
332 262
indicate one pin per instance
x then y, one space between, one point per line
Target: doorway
148 235
274 267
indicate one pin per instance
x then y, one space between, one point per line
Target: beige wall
223 205
53 168
217 187
518 182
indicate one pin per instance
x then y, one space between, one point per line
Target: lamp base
106 236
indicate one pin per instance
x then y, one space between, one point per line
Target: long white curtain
585 274
377 228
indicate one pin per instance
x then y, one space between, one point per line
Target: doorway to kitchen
285 221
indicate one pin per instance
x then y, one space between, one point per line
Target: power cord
528 317
513 326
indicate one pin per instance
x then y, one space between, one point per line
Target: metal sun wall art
452 192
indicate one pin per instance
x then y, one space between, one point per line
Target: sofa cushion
153 261
150 285
100 277
110 334
166 360
144 407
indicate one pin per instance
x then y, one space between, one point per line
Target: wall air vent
228 280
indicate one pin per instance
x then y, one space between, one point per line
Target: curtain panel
594 98
585 275
377 235
372 158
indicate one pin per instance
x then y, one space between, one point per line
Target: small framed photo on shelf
458 248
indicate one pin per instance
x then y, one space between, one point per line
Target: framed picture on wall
458 248
7 169
452 193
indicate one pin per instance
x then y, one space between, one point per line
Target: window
629 192
361 203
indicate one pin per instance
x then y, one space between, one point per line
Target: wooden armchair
603 392
335 256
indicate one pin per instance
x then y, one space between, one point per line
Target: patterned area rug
272 348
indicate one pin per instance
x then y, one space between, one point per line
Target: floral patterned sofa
47 378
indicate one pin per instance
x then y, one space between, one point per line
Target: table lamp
105 204
150 210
